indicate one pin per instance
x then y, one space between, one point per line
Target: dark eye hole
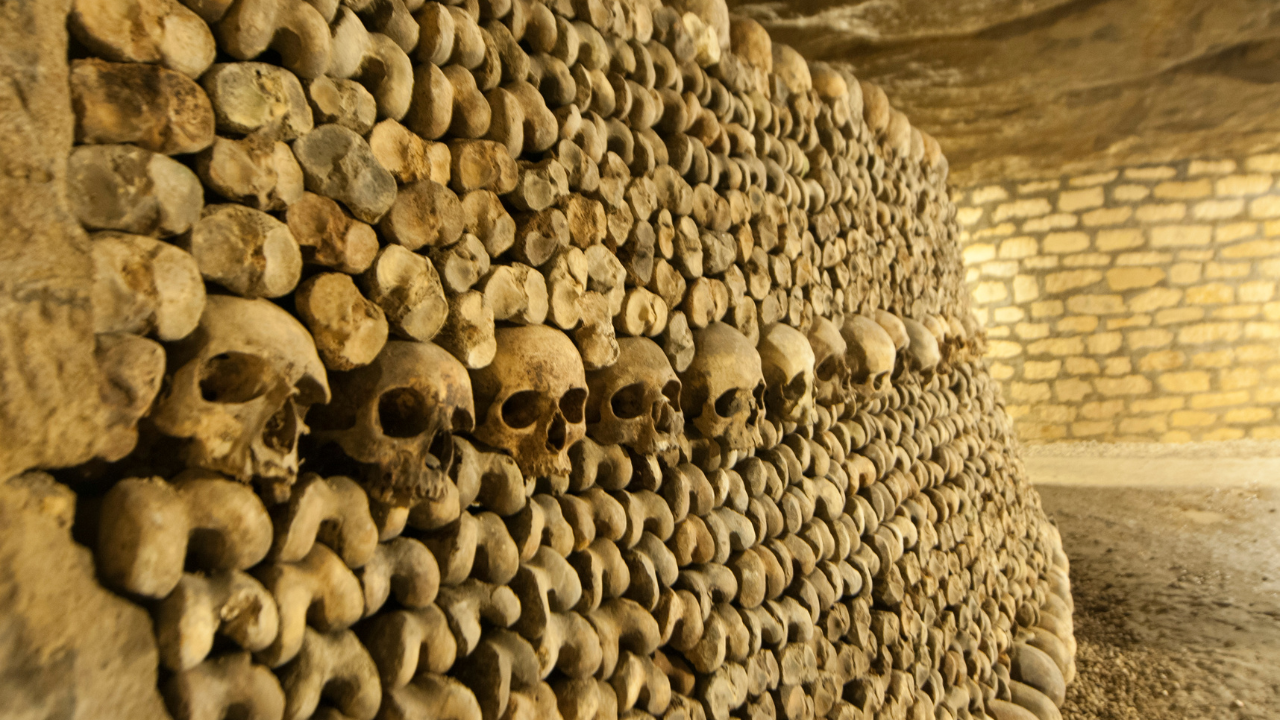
521 409
402 412
758 394
795 388
234 378
442 449
671 391
827 369
573 403
462 421
628 402
728 403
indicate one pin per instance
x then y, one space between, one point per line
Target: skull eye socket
827 369
671 391
794 390
402 412
234 378
628 403
728 403
521 409
573 404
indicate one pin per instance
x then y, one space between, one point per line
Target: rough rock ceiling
1023 88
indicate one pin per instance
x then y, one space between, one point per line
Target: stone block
1044 262
1210 167
1234 231
1101 178
1086 260
1205 255
1192 418
1248 416
1202 333
1043 432
1176 436
1065 242
1130 193
1252 249
1077 324
1181 235
1149 338
1039 186
1046 308
1060 347
985 293
995 231
1191 381
1270 432
1265 207
1038 370
1262 330
1029 392
998 332
1020 209
1073 200
1210 294
1162 360
1217 270
1056 221
1146 259
1139 320
969 216
1104 343
1003 349
1207 401
1081 366
1001 371
1223 434
1272 310
1268 163
1155 172
1007 315
1238 378
1190 190
1101 409
1157 212
1117 366
1217 209
1154 299
1256 353
1000 268
1016 248
1096 304
1107 216
1129 278
1092 428
1127 385
1071 389
1178 315
1025 288
984 195
1237 312
1031 331
1160 404
1214 358
1060 282
1108 240
1185 273
1043 412
978 253
1144 425
1238 185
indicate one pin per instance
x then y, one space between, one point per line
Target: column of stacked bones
510 359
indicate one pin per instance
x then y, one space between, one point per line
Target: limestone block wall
1138 304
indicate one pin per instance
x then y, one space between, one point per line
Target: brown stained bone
319 589
349 330
425 214
468 332
405 285
151 107
145 31
333 511
256 171
595 336
126 188
329 237
431 695
407 156
342 102
291 27
145 286
403 567
333 668
222 685
148 529
231 604
516 293
246 251
462 264
338 164
467 604
256 97
409 643
482 165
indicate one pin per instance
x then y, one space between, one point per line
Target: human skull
892 324
871 353
831 367
922 354
724 387
244 380
396 416
531 399
788 362
636 401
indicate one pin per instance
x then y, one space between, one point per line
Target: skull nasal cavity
402 412
628 402
234 378
521 409
556 435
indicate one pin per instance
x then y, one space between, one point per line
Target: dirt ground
1175 569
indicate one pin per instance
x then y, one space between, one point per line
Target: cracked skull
871 353
724 387
396 417
532 398
788 362
242 385
831 366
636 401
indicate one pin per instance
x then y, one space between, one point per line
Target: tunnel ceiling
1030 88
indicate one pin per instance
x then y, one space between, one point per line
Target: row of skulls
245 380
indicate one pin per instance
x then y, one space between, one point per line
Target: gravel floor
1176 581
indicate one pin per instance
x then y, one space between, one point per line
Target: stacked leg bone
520 359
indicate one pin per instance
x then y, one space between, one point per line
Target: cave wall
326 353
1135 305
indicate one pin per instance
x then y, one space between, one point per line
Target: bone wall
509 360
1133 306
